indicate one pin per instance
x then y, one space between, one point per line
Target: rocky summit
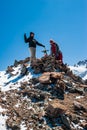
45 95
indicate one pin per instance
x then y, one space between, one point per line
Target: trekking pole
45 51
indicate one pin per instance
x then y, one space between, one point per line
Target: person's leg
32 54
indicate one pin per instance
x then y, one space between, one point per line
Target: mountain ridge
80 69
82 62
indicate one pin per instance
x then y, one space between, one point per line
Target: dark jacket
32 42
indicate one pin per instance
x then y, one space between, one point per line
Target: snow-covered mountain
80 69
83 62
45 96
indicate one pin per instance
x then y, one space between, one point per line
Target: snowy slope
80 69
8 82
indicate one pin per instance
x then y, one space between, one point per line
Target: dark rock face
9 69
16 63
79 107
24 70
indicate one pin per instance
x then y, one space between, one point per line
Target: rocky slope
44 96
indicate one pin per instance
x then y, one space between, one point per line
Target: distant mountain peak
83 62
80 69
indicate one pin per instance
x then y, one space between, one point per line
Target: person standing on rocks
54 48
55 51
32 45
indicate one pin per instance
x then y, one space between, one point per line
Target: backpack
57 48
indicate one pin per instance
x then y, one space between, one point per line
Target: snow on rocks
3 122
44 98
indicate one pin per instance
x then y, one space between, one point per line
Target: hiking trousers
32 54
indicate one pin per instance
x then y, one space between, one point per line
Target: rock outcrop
54 100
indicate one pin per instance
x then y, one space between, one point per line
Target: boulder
48 69
79 90
55 109
84 125
82 85
66 121
79 106
86 81
24 70
85 89
34 81
13 124
9 69
45 78
60 86
27 60
37 70
74 118
16 63
56 75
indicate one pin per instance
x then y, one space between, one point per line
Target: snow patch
22 126
1 109
78 97
2 122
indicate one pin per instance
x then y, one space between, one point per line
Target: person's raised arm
25 38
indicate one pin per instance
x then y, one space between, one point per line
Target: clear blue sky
65 21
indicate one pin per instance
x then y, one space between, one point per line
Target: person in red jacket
55 51
54 48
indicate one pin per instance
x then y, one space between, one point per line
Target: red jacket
53 49
60 56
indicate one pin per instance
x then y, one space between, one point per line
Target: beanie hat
31 33
51 40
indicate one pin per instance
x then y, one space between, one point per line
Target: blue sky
65 21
